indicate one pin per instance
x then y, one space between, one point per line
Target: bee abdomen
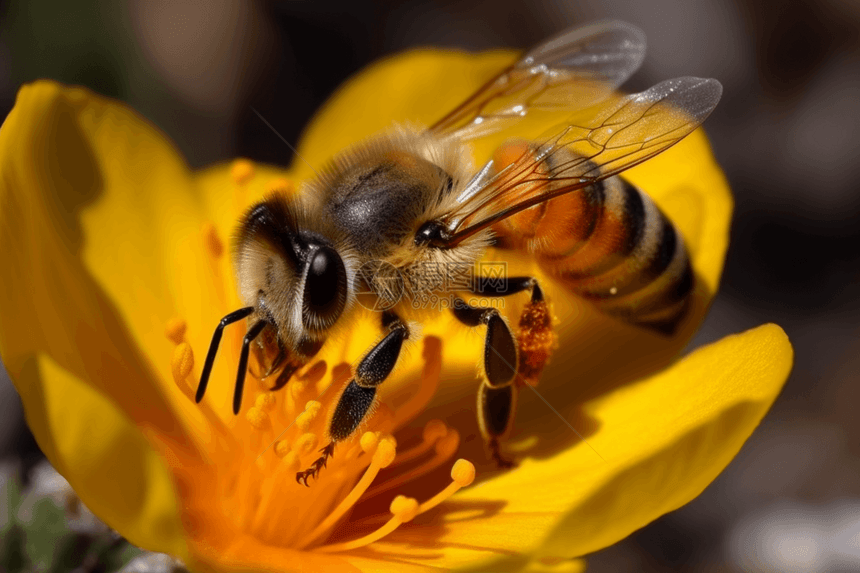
621 253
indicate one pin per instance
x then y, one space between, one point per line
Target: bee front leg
497 395
358 397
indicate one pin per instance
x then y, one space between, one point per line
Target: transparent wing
574 70
601 143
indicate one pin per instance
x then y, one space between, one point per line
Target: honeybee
408 200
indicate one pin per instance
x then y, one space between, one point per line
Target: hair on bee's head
292 267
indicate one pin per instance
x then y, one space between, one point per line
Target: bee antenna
253 333
234 316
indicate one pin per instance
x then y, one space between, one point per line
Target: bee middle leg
360 394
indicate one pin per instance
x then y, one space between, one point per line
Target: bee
409 199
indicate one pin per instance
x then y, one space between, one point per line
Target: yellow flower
114 275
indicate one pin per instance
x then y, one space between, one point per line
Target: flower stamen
434 430
265 401
443 450
286 467
214 247
293 424
212 242
175 330
181 366
462 475
404 509
427 386
280 185
383 452
258 418
241 171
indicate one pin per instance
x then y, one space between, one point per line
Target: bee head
295 277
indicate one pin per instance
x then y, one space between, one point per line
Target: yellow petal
660 442
102 455
156 189
396 558
76 276
95 206
418 87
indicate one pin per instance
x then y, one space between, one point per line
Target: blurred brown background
786 133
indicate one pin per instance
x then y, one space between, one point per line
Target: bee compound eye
325 289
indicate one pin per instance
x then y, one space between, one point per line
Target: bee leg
497 393
358 397
496 408
490 287
536 338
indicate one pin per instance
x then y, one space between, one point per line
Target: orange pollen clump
254 457
536 340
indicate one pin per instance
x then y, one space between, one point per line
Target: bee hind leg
359 396
496 408
535 342
536 338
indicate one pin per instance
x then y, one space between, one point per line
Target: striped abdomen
610 244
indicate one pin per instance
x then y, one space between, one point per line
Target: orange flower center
255 456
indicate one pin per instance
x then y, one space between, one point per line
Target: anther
257 418
298 389
434 430
306 418
385 452
282 448
462 475
445 448
292 462
181 365
241 171
369 442
404 508
303 420
280 185
212 241
265 401
306 444
463 472
175 330
448 444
